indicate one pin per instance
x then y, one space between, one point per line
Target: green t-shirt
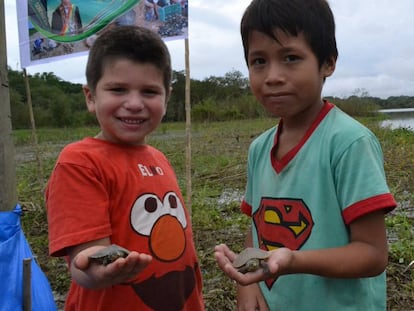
307 200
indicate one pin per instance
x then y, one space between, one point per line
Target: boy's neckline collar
110 143
278 165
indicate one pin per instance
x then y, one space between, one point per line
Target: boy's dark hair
134 43
313 18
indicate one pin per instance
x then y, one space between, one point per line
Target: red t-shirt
129 194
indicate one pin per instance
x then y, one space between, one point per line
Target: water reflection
398 118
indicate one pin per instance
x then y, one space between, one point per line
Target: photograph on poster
54 29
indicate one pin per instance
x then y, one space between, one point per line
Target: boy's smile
129 101
285 75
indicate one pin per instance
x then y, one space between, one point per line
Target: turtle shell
109 254
249 254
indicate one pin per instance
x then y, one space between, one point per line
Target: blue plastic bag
13 249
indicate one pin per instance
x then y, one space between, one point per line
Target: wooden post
8 196
188 124
35 141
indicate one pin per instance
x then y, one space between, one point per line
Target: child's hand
250 298
277 264
90 274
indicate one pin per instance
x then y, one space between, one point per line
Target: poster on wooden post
51 30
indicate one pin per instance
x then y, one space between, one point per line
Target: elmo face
160 225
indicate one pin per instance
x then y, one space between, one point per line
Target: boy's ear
328 67
170 91
167 98
168 95
89 98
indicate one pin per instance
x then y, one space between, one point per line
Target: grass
218 178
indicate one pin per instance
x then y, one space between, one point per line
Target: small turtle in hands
250 260
109 254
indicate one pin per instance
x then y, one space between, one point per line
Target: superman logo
282 223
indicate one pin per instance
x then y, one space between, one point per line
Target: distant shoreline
396 110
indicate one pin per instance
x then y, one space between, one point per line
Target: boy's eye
291 58
117 90
257 61
150 92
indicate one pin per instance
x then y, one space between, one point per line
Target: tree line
59 103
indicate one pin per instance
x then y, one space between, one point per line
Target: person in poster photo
66 19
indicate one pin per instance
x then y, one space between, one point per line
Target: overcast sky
375 40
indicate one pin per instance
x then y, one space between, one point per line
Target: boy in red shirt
115 189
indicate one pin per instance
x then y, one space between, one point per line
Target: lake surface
398 118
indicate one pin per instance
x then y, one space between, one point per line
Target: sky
375 40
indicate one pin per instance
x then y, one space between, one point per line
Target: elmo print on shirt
161 225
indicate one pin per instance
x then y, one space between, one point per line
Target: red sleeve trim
384 202
246 208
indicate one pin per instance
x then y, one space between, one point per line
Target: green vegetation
219 152
57 103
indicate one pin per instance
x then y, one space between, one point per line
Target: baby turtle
250 260
109 254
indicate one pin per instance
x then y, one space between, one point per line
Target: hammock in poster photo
37 13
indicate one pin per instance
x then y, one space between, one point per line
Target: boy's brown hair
134 43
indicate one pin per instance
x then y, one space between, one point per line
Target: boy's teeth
132 121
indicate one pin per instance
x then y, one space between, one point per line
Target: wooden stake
27 284
35 141
8 196
188 124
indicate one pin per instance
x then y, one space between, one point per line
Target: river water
399 118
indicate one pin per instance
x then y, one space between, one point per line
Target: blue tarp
13 249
